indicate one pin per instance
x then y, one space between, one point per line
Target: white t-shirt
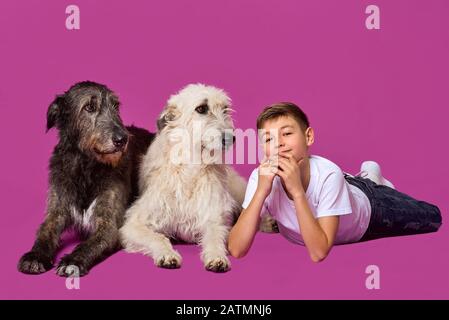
328 194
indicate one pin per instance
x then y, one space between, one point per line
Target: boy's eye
287 133
267 139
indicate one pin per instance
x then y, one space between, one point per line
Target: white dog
186 191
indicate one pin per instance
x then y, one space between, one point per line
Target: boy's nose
280 143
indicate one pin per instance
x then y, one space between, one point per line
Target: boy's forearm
243 232
315 238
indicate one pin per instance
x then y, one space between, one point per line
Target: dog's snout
227 139
119 139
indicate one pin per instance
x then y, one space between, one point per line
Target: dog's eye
202 108
89 107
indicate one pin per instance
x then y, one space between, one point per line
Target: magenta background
379 95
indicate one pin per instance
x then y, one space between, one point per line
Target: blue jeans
394 213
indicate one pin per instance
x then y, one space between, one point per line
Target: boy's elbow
235 252
318 256
238 255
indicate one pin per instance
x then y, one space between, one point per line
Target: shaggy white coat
193 201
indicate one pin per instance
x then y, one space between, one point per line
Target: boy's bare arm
242 234
318 234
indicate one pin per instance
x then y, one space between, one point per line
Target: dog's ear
170 113
54 111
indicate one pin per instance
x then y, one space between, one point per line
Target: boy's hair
283 109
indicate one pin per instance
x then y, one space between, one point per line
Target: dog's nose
120 139
227 139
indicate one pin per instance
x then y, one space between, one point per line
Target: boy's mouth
282 153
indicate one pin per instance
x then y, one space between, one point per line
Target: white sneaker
371 170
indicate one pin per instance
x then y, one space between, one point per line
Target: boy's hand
290 173
267 171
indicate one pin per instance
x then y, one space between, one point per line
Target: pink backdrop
370 94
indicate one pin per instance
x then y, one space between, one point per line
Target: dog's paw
220 264
169 261
268 224
34 263
70 267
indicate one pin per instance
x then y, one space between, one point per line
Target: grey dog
92 181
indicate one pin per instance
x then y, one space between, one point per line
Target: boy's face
284 134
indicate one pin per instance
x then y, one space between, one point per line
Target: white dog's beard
186 154
187 147
214 148
212 154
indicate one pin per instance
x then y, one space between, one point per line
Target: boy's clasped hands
284 165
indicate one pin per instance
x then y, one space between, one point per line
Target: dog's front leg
41 257
213 243
268 224
138 237
103 239
102 243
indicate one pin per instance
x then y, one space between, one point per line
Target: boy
314 203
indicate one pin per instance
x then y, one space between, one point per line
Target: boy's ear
54 111
170 113
310 136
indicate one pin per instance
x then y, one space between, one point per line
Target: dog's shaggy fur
195 202
93 174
